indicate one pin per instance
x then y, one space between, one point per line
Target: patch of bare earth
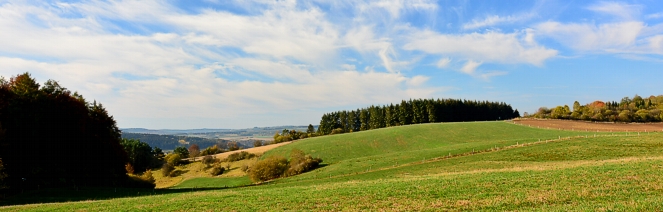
590 126
254 150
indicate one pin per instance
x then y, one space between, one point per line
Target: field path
254 150
590 126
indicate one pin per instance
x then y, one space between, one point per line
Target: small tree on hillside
232 146
157 157
183 152
257 143
310 129
194 150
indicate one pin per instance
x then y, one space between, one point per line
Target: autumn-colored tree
194 150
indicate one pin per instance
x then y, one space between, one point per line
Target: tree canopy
414 112
53 137
636 109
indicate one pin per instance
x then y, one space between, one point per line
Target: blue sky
242 63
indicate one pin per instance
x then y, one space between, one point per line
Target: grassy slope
606 173
195 171
374 149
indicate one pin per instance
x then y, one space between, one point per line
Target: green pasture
405 168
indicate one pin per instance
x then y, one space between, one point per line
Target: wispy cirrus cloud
623 11
496 20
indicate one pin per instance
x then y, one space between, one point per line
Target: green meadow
493 166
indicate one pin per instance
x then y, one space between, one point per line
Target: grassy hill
405 168
356 152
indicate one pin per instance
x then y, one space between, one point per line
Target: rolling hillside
355 152
406 168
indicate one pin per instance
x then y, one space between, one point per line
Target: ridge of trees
636 109
56 138
414 112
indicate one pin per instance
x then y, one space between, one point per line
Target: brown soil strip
590 126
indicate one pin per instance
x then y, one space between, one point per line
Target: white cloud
210 65
395 7
470 67
443 63
488 47
618 9
488 75
655 15
495 20
611 37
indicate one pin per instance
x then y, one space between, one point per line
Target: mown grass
604 173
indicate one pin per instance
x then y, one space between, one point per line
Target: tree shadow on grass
59 195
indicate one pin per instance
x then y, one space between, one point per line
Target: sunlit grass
604 173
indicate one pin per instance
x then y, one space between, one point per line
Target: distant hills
169 139
256 131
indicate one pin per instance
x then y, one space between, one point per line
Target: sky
167 64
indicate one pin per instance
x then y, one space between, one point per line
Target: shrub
174 159
207 160
129 168
217 170
167 169
147 176
211 150
245 168
300 163
257 143
270 168
337 131
139 182
240 156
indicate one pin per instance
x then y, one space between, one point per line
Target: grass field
405 168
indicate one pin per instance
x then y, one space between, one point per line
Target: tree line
415 111
636 109
52 137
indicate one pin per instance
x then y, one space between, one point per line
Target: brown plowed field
590 126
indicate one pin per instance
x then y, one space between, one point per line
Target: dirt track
591 126
255 150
